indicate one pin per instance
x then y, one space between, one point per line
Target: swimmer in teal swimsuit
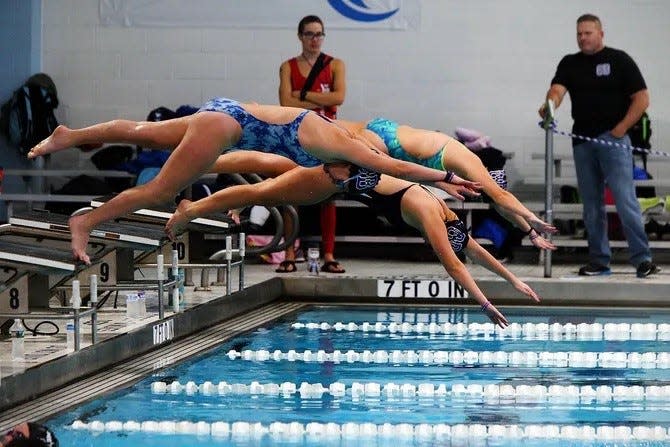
197 140
401 201
440 151
387 130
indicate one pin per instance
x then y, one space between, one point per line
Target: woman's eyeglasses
310 35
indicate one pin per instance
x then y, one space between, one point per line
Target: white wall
484 64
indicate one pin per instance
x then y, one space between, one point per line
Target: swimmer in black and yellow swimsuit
390 206
404 203
401 201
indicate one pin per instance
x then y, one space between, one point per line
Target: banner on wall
353 14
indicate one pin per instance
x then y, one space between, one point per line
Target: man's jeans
597 164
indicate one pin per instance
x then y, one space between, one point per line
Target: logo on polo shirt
603 69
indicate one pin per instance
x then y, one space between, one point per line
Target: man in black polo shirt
608 95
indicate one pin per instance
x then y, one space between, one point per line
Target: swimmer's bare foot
178 221
55 142
80 234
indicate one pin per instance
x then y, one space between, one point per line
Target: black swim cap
360 179
458 235
40 436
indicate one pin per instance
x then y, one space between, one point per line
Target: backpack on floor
28 116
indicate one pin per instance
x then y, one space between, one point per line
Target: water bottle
75 300
69 332
131 305
175 300
17 333
143 304
182 281
313 256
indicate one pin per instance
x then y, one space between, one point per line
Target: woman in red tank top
322 95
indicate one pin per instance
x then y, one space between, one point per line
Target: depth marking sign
419 288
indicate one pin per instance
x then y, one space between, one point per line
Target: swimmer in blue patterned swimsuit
440 151
197 140
280 139
401 201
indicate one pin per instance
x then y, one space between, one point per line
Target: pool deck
48 361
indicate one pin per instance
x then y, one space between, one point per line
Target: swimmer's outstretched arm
460 159
401 169
481 256
329 142
432 226
535 238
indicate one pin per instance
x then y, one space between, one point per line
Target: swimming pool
388 376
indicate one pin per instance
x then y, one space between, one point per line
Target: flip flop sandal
332 267
286 267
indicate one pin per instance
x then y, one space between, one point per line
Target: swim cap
458 235
360 179
500 177
39 436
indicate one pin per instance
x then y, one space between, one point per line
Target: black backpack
28 117
640 136
82 185
640 133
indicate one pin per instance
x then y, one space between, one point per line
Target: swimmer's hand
495 316
457 191
235 215
541 226
526 290
456 180
538 241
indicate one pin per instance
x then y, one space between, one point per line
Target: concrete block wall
484 64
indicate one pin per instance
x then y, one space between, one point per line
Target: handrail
548 177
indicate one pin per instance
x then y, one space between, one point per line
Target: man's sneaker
646 268
592 269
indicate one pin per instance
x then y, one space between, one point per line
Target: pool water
465 393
